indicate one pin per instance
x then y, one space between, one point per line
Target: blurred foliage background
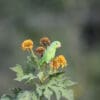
76 23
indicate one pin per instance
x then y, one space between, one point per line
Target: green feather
49 54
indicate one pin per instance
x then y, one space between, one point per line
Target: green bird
49 54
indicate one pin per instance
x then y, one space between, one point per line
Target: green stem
35 58
33 53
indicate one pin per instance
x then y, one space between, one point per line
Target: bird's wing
48 55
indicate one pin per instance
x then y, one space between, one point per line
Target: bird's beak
59 46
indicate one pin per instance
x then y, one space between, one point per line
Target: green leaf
33 59
48 93
67 93
34 96
61 80
60 86
5 97
20 75
26 95
30 66
39 90
69 83
19 72
56 91
16 90
41 76
65 83
29 76
18 69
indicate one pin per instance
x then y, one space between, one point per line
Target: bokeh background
76 23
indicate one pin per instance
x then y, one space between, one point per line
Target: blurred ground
75 23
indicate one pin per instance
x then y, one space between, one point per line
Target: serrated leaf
19 72
30 66
69 83
26 95
53 86
41 76
61 88
16 90
56 91
65 83
20 75
33 59
29 77
61 81
17 68
5 97
48 93
34 96
67 93
39 91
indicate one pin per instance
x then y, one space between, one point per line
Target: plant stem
33 53
35 58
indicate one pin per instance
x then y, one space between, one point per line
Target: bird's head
57 44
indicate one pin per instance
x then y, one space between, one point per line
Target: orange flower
62 60
45 41
40 50
55 64
58 62
27 44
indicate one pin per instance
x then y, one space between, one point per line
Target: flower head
55 64
61 59
45 41
40 50
58 62
27 44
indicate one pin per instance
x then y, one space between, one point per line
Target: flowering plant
44 71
